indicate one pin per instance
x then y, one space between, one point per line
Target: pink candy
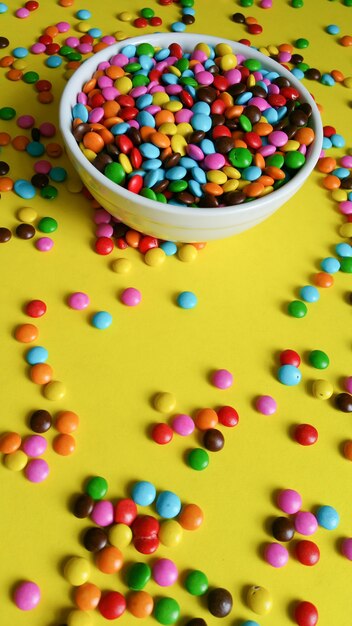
38 48
276 555
346 548
25 121
222 379
278 138
103 513
44 244
34 445
47 129
289 501
101 216
266 405
42 167
165 572
214 161
183 425
348 384
104 230
37 470
22 13
305 523
26 596
131 296
346 207
78 300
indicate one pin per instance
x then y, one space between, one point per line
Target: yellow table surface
243 286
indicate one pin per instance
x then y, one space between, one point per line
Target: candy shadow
268 524
291 431
60 617
244 593
341 447
260 549
238 622
274 497
290 610
338 545
347 295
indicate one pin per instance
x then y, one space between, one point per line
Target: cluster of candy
206 421
26 230
27 9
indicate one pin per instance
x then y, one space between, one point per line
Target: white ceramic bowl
167 221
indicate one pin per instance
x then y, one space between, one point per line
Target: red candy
140 22
147 545
147 243
125 512
255 29
290 93
43 85
112 605
145 526
306 434
136 158
220 83
306 614
290 357
35 308
252 140
104 245
52 48
329 130
156 21
228 416
176 50
162 434
307 552
45 39
31 5
135 183
124 143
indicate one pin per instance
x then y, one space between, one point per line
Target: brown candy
223 144
219 602
101 161
4 168
39 180
283 529
95 539
188 19
298 118
83 506
172 160
197 136
213 440
344 402
239 18
312 74
234 197
253 113
5 235
207 94
25 231
40 421
196 621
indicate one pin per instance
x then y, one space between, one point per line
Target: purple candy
37 470
109 39
346 548
348 384
261 103
25 121
110 93
173 89
138 91
131 296
42 167
194 152
184 115
78 300
103 65
284 57
153 109
101 216
183 425
305 523
22 13
103 513
275 89
233 76
105 81
85 48
345 207
346 161
34 445
82 98
47 129
96 115
267 150
44 244
26 595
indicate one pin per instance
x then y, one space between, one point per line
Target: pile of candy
205 129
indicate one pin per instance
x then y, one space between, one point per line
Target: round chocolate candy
196 621
5 235
95 539
213 440
219 602
25 231
344 402
40 421
283 529
83 506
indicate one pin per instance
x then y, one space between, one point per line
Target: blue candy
58 174
3 7
129 51
207 146
35 355
146 62
201 122
337 140
145 119
326 143
289 375
297 73
343 249
333 29
178 27
309 293
176 173
20 53
162 54
120 129
327 79
95 32
187 162
35 148
151 164
244 97
195 188
187 300
143 493
341 172
149 151
80 111
102 320
168 504
201 107
327 517
199 175
249 623
169 247
83 14
144 101
251 173
24 189
53 61
330 265
151 178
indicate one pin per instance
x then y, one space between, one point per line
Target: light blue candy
244 97
263 85
333 29
168 504
207 146
289 375
271 116
149 151
250 622
162 54
343 249
24 189
199 175
350 196
309 293
187 162
281 112
297 73
80 111
330 265
271 75
145 119
201 107
188 11
120 129
83 14
187 300
327 517
35 148
102 320
208 63
58 174
341 172
169 79
251 173
143 493
195 188
20 53
337 140
201 122
191 90
95 32
178 27
169 247
327 79
53 61
3 7
176 173
146 62
129 51
151 178
151 164
35 355
144 101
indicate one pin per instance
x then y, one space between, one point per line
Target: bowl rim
85 71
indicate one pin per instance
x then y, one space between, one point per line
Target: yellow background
243 285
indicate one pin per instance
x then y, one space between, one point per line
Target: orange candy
14 74
213 188
160 140
87 597
322 279
5 139
52 31
199 245
251 20
286 47
191 517
45 97
53 149
147 131
20 142
109 560
347 450
133 238
66 3
305 136
326 165
331 182
274 172
6 61
9 442
66 422
111 108
163 117
346 40
64 444
114 72
41 373
206 418
140 603
93 142
6 183
262 129
253 190
337 75
26 333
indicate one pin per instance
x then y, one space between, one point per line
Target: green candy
319 359
279 183
253 65
145 48
65 50
294 160
115 172
276 160
97 487
245 123
301 43
47 225
198 459
7 113
303 67
196 583
246 3
132 67
347 3
178 185
49 192
147 13
30 77
346 265
298 309
187 3
140 80
188 80
240 157
297 4
166 611
74 56
138 576
161 198
148 193
182 65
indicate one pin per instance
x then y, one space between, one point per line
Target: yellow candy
267 190
187 253
126 16
223 49
55 390
15 461
264 51
27 214
164 402
179 144
230 185
154 257
184 129
290 145
173 106
160 97
339 195
83 27
216 176
120 535
120 35
204 48
123 84
231 172
20 64
242 183
89 154
168 128
322 389
79 618
251 81
259 600
126 163
77 571
174 70
273 50
346 229
121 266
170 533
228 62
347 82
